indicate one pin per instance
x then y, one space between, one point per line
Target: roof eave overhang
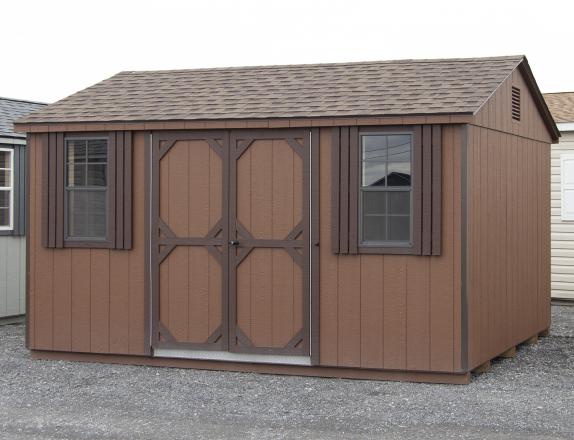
24 126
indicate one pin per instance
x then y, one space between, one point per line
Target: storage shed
562 221
12 209
384 220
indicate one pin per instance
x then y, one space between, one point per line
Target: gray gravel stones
528 397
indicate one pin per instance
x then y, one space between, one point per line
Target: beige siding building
562 107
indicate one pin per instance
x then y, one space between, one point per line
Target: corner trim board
464 248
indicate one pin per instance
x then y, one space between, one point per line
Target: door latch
234 242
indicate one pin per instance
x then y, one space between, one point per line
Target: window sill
89 244
389 250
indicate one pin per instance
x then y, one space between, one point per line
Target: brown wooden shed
384 220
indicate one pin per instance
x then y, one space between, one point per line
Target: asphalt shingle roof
12 109
561 106
379 88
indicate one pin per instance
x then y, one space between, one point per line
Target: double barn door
230 241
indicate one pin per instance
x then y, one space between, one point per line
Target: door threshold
232 357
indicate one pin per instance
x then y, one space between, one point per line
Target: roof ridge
327 64
2 98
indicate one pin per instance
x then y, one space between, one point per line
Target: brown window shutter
335 187
354 190
119 190
436 190
426 214
344 232
53 190
431 221
123 190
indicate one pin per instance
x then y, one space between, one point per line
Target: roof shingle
379 88
561 106
12 109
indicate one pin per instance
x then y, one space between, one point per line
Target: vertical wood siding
12 276
393 311
562 231
508 251
86 300
497 113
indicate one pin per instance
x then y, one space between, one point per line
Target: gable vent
516 103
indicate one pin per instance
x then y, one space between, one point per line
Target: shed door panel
269 218
191 247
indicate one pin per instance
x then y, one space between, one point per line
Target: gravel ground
528 397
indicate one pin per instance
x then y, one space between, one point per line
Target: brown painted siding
496 113
393 311
508 241
86 300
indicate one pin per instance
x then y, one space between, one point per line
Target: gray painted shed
12 207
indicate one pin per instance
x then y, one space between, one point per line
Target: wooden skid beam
483 368
510 353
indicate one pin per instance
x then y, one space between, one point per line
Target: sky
51 49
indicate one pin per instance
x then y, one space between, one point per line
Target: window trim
90 242
362 189
10 188
414 244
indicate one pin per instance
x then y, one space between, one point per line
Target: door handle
234 242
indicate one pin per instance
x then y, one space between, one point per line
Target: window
385 200
86 188
6 189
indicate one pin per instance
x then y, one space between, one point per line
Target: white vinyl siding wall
562 231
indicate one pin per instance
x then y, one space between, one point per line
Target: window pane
76 175
374 147
4 199
374 202
399 174
399 228
5 177
4 216
374 173
87 214
97 175
97 150
399 202
399 148
374 228
76 151
5 161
